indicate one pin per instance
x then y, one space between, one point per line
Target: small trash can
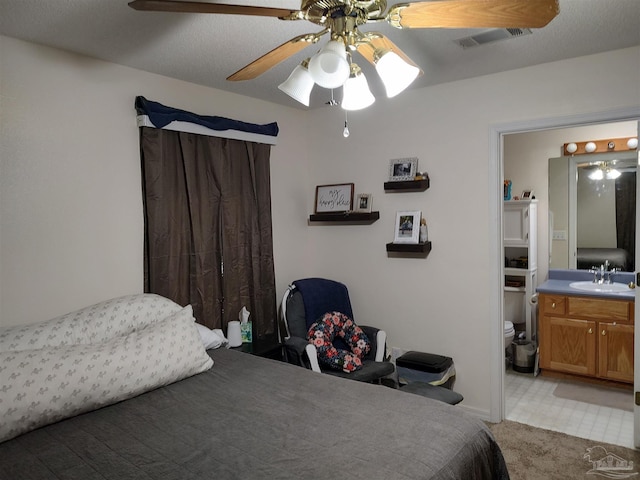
524 356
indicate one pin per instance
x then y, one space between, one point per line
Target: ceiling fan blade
374 41
474 14
204 7
275 56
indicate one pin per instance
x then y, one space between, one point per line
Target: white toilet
509 334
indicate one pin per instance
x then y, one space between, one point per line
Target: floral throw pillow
338 325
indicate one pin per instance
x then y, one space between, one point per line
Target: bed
247 417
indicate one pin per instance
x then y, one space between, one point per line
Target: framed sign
363 202
334 198
527 195
407 227
401 169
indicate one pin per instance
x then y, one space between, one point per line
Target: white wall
70 214
441 304
71 224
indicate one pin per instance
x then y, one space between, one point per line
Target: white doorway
496 166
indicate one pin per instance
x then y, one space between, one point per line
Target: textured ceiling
205 49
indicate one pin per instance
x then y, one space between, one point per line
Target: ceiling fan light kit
355 92
329 67
395 73
604 170
332 67
299 84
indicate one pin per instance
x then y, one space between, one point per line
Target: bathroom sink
600 287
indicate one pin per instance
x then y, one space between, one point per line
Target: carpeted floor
536 454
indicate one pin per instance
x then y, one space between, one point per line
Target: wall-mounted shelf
423 248
355 217
408 185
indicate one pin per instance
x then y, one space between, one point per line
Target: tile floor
530 400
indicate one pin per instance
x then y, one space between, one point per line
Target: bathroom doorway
528 167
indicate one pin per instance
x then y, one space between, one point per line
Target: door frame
496 174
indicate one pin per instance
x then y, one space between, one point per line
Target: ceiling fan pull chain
345 132
332 102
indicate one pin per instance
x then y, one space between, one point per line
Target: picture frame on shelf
407 227
402 169
363 203
526 195
336 198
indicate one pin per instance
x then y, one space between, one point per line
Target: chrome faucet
610 274
602 274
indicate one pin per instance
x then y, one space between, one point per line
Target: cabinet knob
553 305
590 331
604 333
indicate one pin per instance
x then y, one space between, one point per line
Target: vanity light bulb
632 143
590 147
572 147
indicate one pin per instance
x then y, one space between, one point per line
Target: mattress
254 418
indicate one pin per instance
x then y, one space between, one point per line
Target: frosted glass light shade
590 147
612 174
597 174
329 67
299 84
572 148
395 73
632 143
355 93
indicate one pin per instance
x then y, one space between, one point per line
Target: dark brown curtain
208 237
626 215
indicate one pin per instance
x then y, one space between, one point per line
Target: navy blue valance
154 114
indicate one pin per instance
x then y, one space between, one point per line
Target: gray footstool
432 391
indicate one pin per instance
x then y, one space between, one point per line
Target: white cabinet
521 261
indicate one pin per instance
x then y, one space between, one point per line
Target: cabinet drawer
554 304
598 309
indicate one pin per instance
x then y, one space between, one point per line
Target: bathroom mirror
591 214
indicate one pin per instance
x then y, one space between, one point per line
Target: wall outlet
559 235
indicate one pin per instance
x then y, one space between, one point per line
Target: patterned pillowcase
334 325
92 324
42 386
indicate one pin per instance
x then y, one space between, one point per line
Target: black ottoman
431 391
429 368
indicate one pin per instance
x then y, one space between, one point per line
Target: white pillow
211 338
49 384
95 323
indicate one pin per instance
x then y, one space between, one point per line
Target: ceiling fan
332 66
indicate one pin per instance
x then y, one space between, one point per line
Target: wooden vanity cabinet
587 336
615 351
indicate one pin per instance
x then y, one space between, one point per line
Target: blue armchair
307 300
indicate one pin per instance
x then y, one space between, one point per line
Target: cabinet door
615 356
568 345
516 226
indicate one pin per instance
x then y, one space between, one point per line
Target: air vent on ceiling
491 36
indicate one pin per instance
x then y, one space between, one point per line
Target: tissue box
246 332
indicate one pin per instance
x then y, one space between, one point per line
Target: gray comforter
253 418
